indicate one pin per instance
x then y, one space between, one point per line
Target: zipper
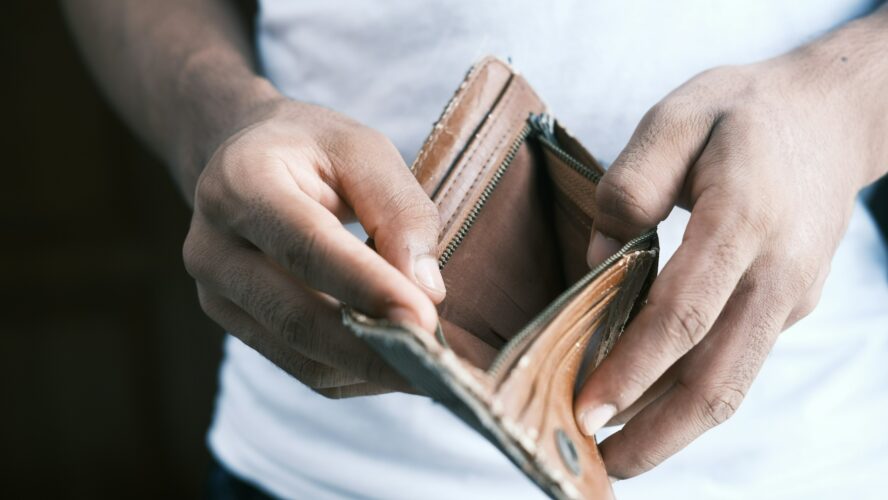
542 126
473 214
515 346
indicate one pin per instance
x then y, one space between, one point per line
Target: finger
713 380
393 208
311 243
241 325
660 387
304 320
643 184
720 243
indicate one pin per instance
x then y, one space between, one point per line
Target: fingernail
600 248
594 419
425 268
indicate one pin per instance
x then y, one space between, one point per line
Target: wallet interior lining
564 307
526 246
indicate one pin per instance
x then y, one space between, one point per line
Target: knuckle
804 284
667 111
806 307
409 203
806 276
747 219
678 115
720 403
194 255
207 304
639 461
298 326
645 462
800 274
190 255
208 194
620 194
684 323
409 210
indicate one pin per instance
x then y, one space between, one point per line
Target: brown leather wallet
515 193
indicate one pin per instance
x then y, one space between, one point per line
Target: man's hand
768 158
271 181
272 259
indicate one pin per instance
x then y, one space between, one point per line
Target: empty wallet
516 197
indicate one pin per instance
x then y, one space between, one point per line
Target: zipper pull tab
544 125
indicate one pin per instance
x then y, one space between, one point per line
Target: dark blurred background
107 364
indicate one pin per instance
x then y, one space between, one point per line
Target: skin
767 157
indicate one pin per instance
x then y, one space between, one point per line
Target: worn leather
516 281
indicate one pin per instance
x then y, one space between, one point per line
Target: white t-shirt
813 424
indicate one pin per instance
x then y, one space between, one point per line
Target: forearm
180 72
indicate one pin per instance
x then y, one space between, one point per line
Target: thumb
396 213
645 181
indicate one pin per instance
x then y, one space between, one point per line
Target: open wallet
515 193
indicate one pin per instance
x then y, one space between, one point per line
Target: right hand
272 260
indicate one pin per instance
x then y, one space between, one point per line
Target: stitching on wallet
458 96
475 147
480 173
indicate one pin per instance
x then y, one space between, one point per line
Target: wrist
217 99
846 73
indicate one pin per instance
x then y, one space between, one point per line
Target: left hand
768 158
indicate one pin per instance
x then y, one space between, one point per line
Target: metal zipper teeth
504 357
544 125
570 160
469 221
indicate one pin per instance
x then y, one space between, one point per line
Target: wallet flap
469 107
